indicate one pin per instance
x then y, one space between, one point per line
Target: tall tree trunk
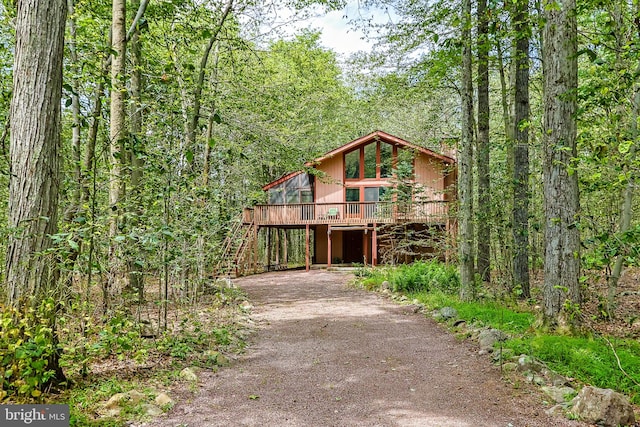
35 159
117 137
482 144
136 149
465 164
521 151
562 240
35 147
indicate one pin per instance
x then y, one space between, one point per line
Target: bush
425 276
26 345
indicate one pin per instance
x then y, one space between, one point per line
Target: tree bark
465 164
482 144
117 137
521 151
135 271
35 147
561 292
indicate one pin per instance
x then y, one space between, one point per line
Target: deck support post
328 246
268 248
374 245
306 256
365 246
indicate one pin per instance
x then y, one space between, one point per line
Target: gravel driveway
325 354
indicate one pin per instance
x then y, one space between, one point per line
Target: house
345 199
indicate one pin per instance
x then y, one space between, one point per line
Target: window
370 160
374 160
306 196
353 194
352 165
386 160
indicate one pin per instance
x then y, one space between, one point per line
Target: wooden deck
349 213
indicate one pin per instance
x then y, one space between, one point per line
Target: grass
587 358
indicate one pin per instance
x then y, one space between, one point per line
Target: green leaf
189 156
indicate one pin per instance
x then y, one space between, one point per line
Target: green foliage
421 276
27 344
590 360
424 276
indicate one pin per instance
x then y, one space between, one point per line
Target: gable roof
377 135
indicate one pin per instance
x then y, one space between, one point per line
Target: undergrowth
116 353
588 358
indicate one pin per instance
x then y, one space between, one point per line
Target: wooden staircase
236 257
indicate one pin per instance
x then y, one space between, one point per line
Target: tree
520 134
482 143
117 136
465 163
561 291
35 164
35 147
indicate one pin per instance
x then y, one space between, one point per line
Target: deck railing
348 213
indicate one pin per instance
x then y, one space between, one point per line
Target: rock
135 396
448 313
151 410
163 399
502 354
488 337
603 407
509 366
529 364
385 286
557 410
115 400
246 306
559 394
112 412
189 374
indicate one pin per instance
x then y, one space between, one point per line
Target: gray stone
151 410
502 354
448 313
558 410
189 374
163 399
385 286
603 407
115 400
559 394
488 337
529 364
135 396
509 367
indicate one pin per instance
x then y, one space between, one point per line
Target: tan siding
321 244
430 174
329 188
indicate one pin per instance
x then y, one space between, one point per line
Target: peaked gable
364 140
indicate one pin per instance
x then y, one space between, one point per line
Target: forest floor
326 354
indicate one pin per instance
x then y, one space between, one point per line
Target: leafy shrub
425 276
26 345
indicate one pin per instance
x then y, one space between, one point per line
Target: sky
338 34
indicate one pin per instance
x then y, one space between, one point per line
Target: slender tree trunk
117 138
482 161
199 85
465 164
562 240
136 149
35 147
521 151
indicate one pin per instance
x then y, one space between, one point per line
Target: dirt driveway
325 354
